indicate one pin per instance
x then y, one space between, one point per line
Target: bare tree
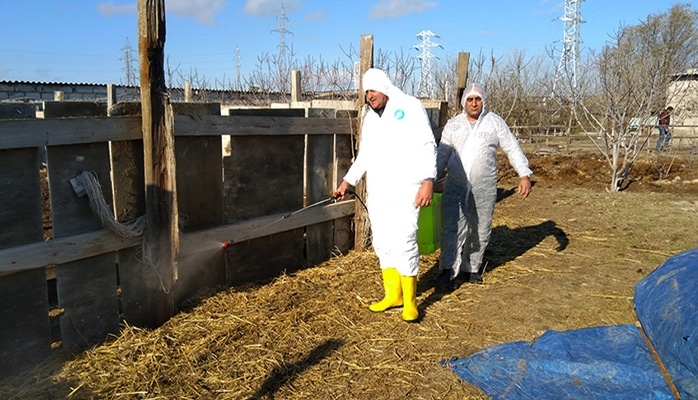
518 89
445 79
630 80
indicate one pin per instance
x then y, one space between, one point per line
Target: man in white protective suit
397 154
468 150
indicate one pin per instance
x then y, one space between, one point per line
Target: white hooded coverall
469 150
396 153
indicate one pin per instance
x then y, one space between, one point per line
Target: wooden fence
67 281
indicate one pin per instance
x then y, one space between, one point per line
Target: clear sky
82 41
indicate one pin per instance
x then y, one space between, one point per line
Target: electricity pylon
426 86
283 61
567 70
131 76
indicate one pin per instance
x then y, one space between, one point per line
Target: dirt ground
567 257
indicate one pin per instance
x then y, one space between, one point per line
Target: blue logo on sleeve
399 114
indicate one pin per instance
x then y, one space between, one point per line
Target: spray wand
335 196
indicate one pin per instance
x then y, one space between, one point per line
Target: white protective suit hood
376 79
474 89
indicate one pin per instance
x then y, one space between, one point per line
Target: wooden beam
365 62
18 133
461 75
205 125
61 251
23 133
296 89
269 225
162 231
77 247
361 221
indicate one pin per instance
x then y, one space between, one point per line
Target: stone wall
38 92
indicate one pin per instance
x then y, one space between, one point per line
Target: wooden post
188 95
461 76
365 62
162 234
111 98
361 223
295 87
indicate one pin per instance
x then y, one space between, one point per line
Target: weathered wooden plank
88 296
24 318
62 250
461 74
138 283
20 203
202 264
200 202
24 328
264 175
258 126
58 109
273 224
136 279
199 189
319 186
184 108
252 261
343 235
267 112
128 179
16 134
162 226
187 108
17 110
54 132
87 292
343 231
76 247
344 155
70 213
268 178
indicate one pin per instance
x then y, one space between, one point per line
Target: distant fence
553 139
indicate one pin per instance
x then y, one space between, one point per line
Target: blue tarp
607 362
665 303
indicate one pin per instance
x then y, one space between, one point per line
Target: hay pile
305 336
566 258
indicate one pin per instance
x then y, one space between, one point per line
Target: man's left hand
524 188
424 194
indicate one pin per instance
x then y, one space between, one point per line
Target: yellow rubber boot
393 291
409 295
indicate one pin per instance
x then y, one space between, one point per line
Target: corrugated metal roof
3 82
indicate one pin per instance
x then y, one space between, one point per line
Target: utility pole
567 70
238 84
283 61
426 85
